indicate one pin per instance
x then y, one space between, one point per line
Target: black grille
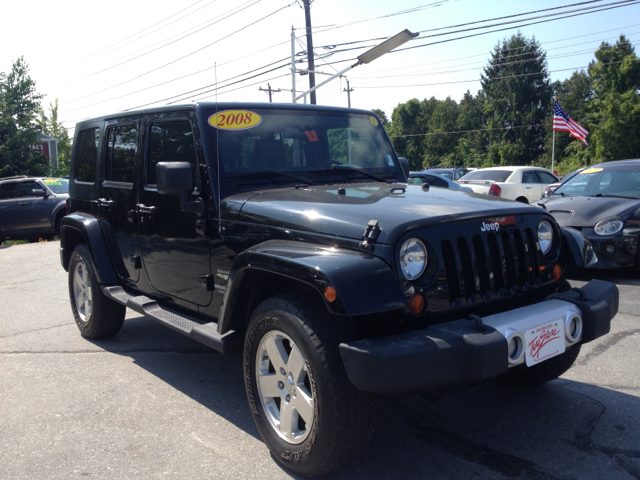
492 265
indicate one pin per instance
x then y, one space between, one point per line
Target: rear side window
436 182
170 141
495 175
120 159
8 190
87 155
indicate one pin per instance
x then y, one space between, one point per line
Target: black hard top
220 106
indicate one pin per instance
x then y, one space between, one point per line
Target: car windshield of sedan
601 182
57 185
487 175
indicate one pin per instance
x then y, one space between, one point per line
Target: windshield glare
601 182
495 175
300 142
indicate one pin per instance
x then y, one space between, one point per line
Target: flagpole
553 148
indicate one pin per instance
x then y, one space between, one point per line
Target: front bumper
444 358
614 251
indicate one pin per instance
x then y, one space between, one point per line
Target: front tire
96 315
312 419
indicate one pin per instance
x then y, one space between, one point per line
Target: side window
120 159
26 189
170 141
415 181
86 155
8 190
437 182
530 177
547 177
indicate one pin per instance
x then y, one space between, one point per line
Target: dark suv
289 233
31 208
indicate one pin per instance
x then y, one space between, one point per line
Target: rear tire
312 419
523 376
96 315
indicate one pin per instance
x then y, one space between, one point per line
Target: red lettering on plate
540 341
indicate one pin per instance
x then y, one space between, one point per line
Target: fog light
609 249
417 304
557 272
515 344
573 328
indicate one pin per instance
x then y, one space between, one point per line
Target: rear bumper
448 357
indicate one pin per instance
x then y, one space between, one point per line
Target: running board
205 333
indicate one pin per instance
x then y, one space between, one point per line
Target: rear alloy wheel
96 315
312 419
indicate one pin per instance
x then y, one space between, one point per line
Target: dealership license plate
543 342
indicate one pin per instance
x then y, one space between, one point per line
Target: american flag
562 122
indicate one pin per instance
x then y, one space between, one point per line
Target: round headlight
413 258
545 236
608 227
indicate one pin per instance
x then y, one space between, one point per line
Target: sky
105 57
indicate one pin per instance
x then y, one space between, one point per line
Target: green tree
19 106
409 123
439 146
518 93
51 126
471 148
383 117
616 69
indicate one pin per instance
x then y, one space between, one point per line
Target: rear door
118 195
174 246
8 194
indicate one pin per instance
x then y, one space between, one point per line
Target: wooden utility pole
311 63
348 90
269 90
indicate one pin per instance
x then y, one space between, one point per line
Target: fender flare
79 228
578 248
364 283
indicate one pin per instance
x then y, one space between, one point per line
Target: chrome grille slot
451 268
483 263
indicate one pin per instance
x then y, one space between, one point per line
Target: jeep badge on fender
289 233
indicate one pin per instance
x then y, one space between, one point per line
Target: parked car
32 208
553 186
435 180
452 173
523 184
603 202
288 233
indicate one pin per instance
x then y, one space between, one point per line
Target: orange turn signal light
557 272
417 304
330 294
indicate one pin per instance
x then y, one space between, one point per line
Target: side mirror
38 192
174 178
405 165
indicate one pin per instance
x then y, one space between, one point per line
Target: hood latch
370 236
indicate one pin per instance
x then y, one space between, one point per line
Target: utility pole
311 63
269 90
348 90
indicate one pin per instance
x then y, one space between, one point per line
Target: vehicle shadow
551 431
622 276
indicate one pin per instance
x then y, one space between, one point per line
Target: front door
117 199
174 247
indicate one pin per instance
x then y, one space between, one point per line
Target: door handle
22 203
108 203
200 228
146 209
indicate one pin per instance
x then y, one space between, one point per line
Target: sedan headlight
413 258
545 236
608 227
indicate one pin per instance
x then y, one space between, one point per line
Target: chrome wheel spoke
303 404
276 351
288 418
296 365
268 384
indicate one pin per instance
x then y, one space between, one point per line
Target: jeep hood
331 211
585 211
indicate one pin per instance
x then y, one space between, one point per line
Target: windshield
291 145
444 173
495 175
600 182
57 185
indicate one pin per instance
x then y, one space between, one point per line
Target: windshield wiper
268 174
614 196
345 169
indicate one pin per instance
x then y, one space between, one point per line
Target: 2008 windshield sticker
235 120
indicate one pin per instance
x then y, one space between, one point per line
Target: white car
523 184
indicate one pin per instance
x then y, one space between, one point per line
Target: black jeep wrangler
289 233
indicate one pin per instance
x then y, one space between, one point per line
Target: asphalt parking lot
150 403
